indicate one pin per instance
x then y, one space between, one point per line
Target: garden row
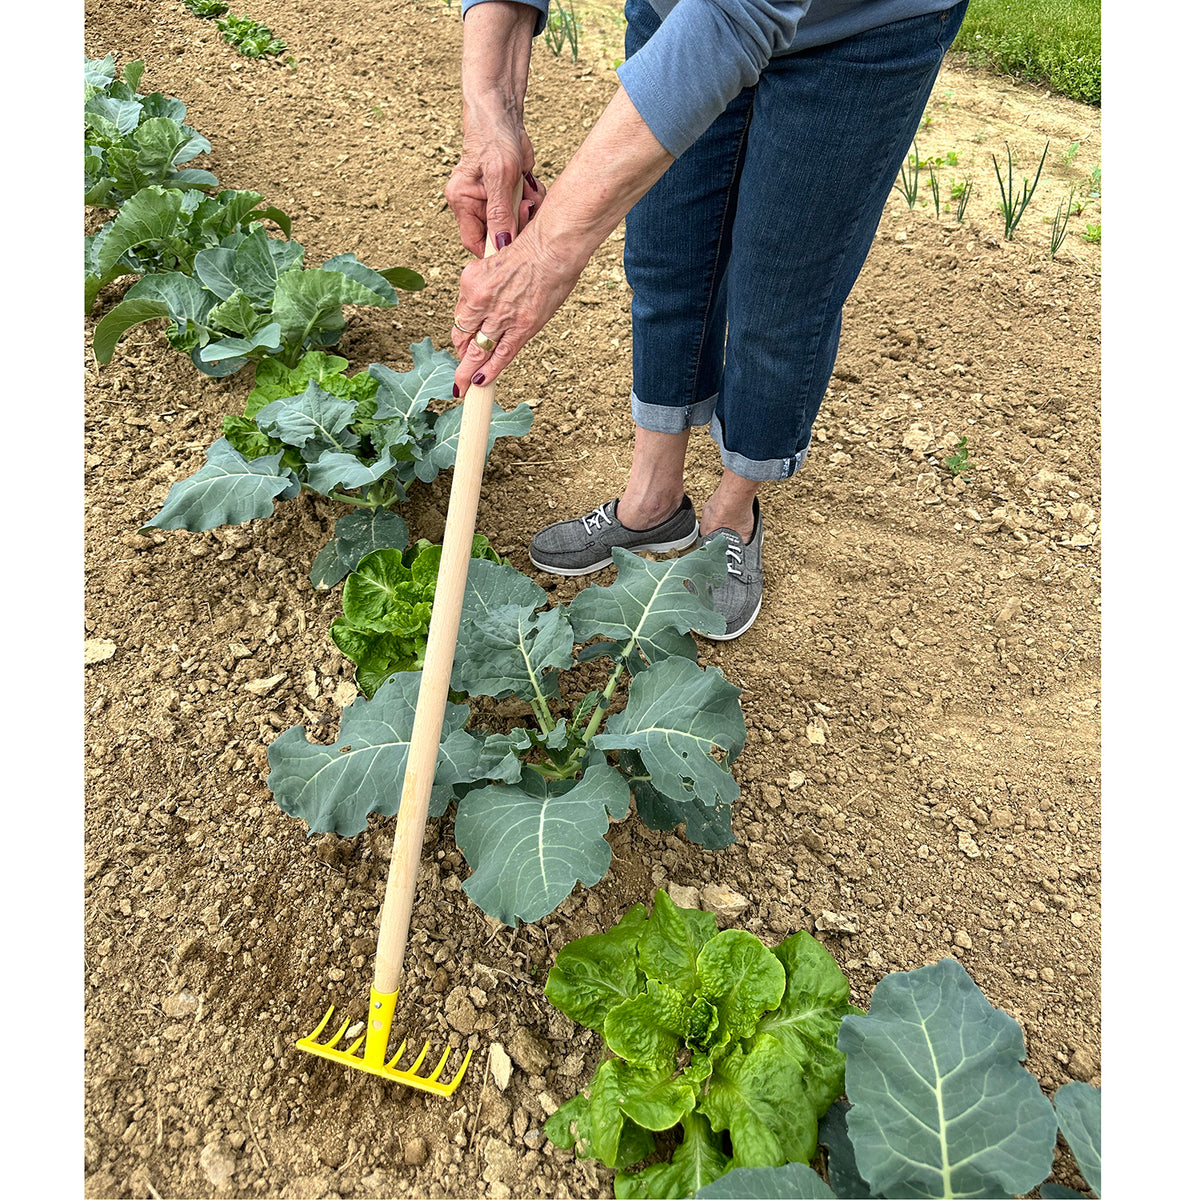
737 1052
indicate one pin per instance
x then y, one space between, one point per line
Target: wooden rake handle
435 680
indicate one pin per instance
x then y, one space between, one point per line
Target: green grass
1055 43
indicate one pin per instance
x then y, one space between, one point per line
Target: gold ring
460 329
484 342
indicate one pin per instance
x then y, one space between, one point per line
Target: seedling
1058 230
250 37
1070 152
952 158
909 177
935 188
562 28
1092 234
961 192
960 461
1012 206
208 9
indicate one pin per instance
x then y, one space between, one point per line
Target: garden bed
921 775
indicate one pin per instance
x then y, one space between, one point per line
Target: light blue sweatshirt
706 51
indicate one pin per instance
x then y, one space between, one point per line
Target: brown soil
921 689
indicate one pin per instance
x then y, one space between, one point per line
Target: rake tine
396 1058
358 1041
337 1037
312 1037
438 1069
420 1059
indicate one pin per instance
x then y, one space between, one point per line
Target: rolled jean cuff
760 470
671 418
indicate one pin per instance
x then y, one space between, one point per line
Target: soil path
921 690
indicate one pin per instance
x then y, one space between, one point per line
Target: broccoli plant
132 141
359 439
534 800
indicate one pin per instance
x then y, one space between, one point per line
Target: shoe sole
727 636
650 548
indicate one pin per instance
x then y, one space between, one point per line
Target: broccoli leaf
651 605
510 651
1078 1108
366 530
444 450
677 712
794 1181
313 416
334 788
227 490
710 827
529 844
941 1105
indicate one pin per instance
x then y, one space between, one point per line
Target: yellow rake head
379 1027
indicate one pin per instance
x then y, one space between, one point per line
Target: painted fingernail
478 379
503 239
529 179
454 390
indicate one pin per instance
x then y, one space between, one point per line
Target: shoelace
733 559
593 522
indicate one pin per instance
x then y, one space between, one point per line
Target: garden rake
418 777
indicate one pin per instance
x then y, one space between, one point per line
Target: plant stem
605 698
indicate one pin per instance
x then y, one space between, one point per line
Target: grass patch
1050 42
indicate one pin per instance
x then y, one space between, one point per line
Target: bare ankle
646 511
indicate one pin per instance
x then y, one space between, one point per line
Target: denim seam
712 281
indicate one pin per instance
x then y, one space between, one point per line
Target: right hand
497 153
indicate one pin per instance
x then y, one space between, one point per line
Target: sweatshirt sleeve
700 58
543 7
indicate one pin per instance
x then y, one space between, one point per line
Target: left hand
508 298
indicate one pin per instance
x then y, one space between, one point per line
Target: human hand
506 299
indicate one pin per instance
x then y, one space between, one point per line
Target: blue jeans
741 256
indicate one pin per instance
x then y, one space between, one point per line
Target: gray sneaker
585 544
739 598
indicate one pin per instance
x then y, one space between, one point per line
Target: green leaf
313 417
159 141
698 1160
490 585
262 264
1078 1108
269 212
348 265
334 788
403 278
676 714
758 1095
227 490
592 974
366 530
647 1031
672 941
267 338
382 595
337 469
650 606
795 1181
710 827
841 1165
446 430
119 319
406 395
377 656
149 216
328 570
807 1020
510 651
572 1126
941 1105
741 977
237 314
528 845
310 302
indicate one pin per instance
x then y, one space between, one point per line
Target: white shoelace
595 521
733 559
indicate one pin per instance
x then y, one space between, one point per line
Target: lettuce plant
359 439
250 298
534 799
250 37
132 141
939 1104
387 603
163 229
712 1034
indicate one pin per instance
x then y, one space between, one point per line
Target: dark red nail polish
478 379
503 239
455 391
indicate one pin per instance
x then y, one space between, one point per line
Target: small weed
980 137
947 99
960 461
1058 230
1092 234
909 178
935 188
1095 183
251 38
960 191
562 29
1011 206
1070 152
208 9
952 158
